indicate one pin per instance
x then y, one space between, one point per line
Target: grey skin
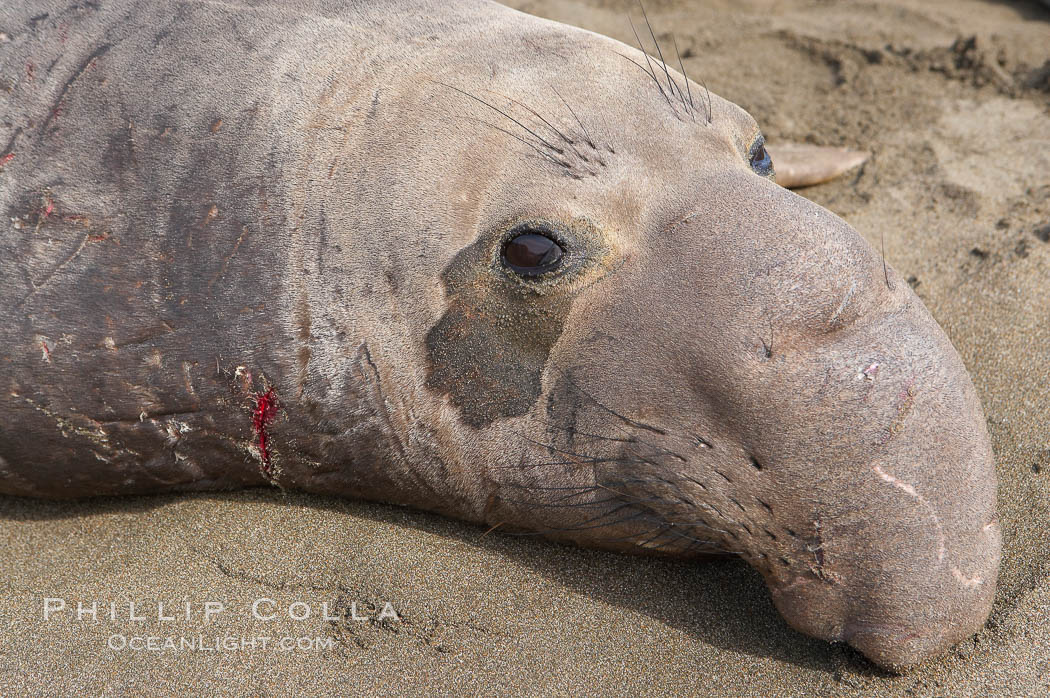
250 245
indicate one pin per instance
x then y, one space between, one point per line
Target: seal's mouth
870 636
898 612
893 646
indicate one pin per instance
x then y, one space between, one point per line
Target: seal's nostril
755 464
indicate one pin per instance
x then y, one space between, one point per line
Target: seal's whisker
631 536
648 62
650 72
579 491
654 480
555 449
660 451
546 464
675 531
643 68
543 140
617 522
600 437
549 125
563 497
619 496
885 269
698 524
685 75
560 505
586 134
579 460
578 528
559 502
710 105
628 438
690 478
610 512
579 488
628 420
672 541
675 527
700 542
550 157
633 457
671 84
659 533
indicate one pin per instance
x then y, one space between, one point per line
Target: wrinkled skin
264 245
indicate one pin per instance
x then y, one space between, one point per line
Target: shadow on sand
722 602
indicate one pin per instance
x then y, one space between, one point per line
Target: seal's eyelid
532 253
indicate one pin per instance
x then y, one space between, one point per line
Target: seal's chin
893 647
871 617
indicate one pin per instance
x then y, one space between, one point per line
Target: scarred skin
264 245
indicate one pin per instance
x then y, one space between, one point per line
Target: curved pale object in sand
802 165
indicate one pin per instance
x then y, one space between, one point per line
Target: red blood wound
4 159
263 414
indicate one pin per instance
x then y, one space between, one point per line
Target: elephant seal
456 257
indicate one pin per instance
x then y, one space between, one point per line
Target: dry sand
959 187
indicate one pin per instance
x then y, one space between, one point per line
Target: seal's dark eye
532 254
761 163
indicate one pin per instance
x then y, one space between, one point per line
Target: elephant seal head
617 329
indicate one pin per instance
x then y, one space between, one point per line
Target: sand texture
952 97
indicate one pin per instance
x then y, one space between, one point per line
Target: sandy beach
952 97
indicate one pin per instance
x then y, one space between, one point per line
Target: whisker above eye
505 114
590 141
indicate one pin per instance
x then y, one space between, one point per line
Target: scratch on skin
12 143
150 333
368 373
37 285
226 261
97 435
88 62
188 379
967 582
819 568
913 493
211 214
871 374
905 403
